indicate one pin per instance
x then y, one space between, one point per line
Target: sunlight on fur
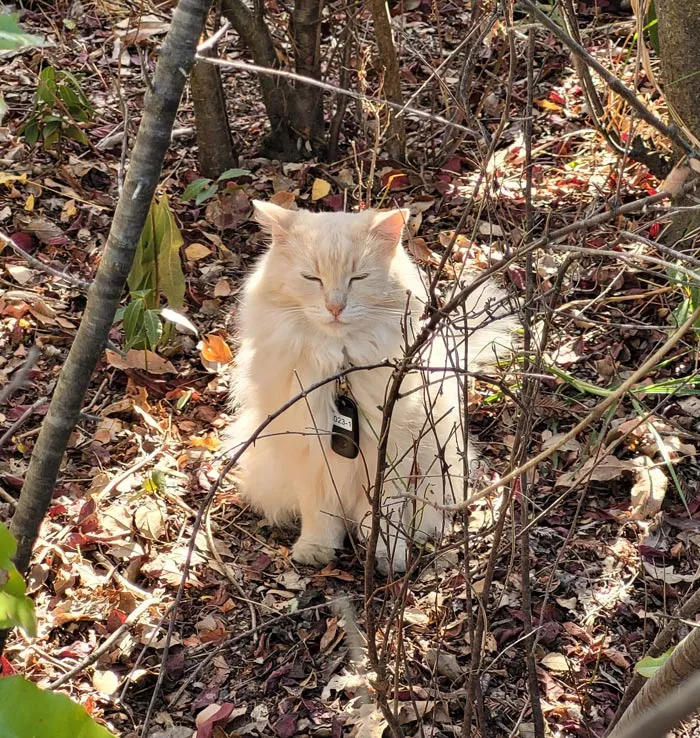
337 290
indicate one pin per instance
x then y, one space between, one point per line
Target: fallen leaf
210 716
210 443
150 518
20 274
445 663
320 189
414 616
214 348
106 682
196 251
284 199
556 662
222 288
146 361
648 492
675 180
597 470
366 719
419 250
286 726
46 231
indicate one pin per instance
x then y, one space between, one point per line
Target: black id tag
345 431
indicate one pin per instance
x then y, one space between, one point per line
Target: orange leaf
214 348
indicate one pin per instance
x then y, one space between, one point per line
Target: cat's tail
487 322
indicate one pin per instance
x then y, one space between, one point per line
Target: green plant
25 710
156 274
11 35
204 188
59 106
29 712
16 609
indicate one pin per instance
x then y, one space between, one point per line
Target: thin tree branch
245 67
612 81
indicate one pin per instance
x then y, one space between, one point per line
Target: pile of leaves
260 644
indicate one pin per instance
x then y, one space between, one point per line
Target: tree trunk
389 60
687 611
308 101
294 112
152 141
679 42
683 664
214 143
255 34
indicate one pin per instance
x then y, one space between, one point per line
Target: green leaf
16 609
170 275
11 35
155 482
652 27
46 91
143 270
8 547
4 107
30 131
133 323
183 399
29 712
76 134
206 194
194 188
51 134
232 174
153 328
648 666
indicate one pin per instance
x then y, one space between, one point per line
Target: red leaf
556 97
286 726
206 729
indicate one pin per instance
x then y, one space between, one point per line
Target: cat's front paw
394 558
312 554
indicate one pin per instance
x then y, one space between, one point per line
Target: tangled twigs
611 80
69 278
105 645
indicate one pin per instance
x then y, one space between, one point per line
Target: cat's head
336 271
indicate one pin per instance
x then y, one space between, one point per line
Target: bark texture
661 644
389 60
308 101
214 143
152 141
682 665
679 41
294 112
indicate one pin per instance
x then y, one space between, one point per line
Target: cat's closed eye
358 277
311 278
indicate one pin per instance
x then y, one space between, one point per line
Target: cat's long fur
294 331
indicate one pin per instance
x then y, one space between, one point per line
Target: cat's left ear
273 218
388 226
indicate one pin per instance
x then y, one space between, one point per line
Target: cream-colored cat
338 290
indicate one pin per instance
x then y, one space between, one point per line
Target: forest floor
261 645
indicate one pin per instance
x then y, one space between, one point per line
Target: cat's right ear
274 219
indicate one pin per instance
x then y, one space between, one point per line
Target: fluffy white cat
337 290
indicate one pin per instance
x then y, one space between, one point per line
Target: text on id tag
345 429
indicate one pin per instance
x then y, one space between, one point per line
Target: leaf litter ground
263 646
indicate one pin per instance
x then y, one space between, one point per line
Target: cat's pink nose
335 309
336 302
